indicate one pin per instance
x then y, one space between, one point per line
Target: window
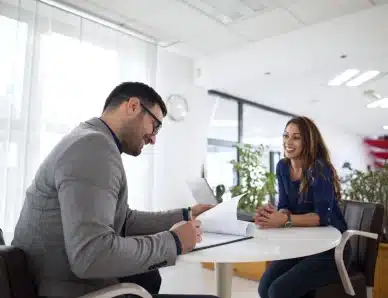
12 64
223 136
262 127
239 121
56 71
12 71
84 74
224 123
219 169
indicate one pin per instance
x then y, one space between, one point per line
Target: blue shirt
320 198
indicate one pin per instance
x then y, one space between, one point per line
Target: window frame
241 103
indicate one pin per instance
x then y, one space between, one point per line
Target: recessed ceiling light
381 103
385 127
229 11
366 76
344 77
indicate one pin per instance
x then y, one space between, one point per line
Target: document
221 226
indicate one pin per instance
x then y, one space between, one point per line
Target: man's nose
153 140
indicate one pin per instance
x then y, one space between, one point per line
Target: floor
188 278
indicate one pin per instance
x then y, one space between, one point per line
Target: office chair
15 281
365 222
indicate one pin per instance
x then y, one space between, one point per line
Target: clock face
177 107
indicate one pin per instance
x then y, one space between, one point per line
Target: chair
2 242
365 222
16 283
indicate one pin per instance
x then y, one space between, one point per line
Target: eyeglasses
158 122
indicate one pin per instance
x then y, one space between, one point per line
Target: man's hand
189 234
199 209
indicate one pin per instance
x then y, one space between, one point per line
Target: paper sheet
222 219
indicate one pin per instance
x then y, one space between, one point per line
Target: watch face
177 107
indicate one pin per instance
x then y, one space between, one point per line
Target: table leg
224 274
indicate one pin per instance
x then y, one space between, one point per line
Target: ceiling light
381 103
227 11
343 77
366 76
385 127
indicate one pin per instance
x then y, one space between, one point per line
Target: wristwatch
288 223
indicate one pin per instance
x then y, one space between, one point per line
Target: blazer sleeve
88 180
156 221
283 198
323 193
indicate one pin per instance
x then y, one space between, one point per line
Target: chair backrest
366 217
2 242
15 281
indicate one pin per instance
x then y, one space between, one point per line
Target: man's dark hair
146 94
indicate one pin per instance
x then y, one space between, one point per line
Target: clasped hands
268 217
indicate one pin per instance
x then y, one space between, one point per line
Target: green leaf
255 180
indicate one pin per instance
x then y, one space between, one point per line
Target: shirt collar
117 141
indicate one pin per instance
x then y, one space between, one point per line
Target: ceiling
207 27
302 62
279 53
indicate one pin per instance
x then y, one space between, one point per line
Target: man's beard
133 137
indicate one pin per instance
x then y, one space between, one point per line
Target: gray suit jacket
76 227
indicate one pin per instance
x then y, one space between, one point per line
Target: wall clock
177 107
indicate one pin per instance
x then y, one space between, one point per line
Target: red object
379 164
380 154
382 144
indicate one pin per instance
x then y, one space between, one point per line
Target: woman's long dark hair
313 149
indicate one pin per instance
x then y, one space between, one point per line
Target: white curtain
56 69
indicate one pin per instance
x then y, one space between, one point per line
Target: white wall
180 148
344 147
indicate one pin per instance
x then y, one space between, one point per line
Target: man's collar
118 143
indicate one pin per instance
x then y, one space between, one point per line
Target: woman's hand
267 217
275 220
264 211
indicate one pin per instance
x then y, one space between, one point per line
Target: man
76 227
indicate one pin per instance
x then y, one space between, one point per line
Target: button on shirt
320 198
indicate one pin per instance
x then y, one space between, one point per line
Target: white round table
267 245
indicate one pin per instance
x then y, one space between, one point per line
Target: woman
309 190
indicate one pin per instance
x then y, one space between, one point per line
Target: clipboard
222 243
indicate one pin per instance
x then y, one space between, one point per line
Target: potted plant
258 184
256 181
369 186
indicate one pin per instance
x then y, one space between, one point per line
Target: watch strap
288 224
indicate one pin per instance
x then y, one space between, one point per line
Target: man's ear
133 105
